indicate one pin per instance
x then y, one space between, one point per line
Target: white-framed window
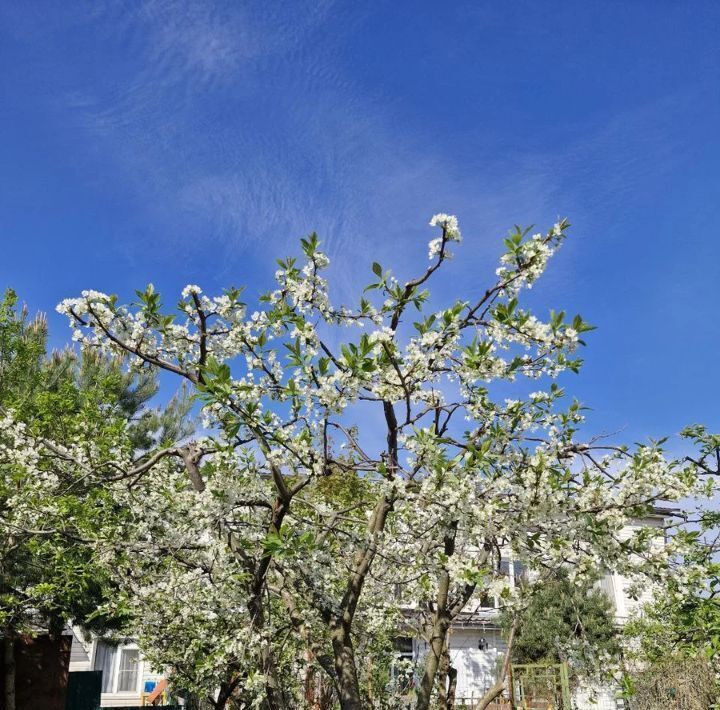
402 671
120 666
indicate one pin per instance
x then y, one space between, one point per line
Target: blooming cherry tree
284 533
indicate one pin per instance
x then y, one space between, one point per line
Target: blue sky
174 142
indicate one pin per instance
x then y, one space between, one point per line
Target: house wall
80 653
81 659
112 700
626 606
476 668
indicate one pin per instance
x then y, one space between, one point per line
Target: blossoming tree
256 567
63 420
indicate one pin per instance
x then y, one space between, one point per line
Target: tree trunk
442 679
345 670
452 686
9 663
266 662
432 660
493 693
341 624
223 696
438 630
273 692
226 690
445 613
447 681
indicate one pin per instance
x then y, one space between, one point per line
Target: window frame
121 647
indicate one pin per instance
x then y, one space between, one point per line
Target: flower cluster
450 233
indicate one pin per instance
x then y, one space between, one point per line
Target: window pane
128 672
403 646
105 662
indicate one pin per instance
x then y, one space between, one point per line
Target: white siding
625 606
80 653
477 669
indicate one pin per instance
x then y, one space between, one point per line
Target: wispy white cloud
238 122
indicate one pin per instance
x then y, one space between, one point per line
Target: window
128 670
105 662
404 648
120 666
403 667
486 601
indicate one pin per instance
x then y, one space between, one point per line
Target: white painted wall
80 652
477 670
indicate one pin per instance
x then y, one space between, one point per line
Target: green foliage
563 621
49 574
22 348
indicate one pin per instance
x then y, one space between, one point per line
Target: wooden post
565 683
511 687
